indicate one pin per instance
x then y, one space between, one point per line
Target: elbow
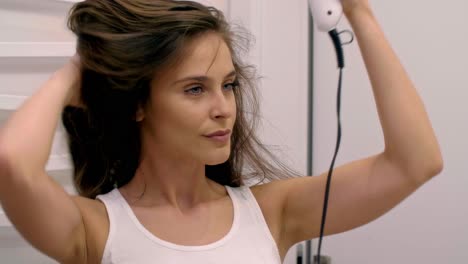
436 167
8 164
5 161
430 169
421 169
435 163
5 154
5 173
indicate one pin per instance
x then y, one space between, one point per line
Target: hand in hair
351 6
72 70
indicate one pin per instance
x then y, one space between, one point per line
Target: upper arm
44 214
360 192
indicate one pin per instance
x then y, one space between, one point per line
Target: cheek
179 121
234 109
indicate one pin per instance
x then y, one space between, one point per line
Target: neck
175 183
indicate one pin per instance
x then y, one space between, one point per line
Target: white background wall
31 32
430 38
430 227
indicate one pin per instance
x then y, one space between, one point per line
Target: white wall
431 226
32 34
280 53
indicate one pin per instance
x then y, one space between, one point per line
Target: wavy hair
122 44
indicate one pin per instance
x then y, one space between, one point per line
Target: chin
219 158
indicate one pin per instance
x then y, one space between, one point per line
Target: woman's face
192 100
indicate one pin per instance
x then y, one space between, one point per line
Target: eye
232 85
195 90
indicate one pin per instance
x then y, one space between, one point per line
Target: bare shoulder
270 195
96 224
90 206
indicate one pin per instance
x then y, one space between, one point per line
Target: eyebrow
202 78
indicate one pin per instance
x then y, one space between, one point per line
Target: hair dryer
326 13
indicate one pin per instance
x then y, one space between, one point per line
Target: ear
140 114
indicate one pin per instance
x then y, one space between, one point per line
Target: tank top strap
248 205
114 211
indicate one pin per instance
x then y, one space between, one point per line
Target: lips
219 133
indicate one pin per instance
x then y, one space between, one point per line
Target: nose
223 104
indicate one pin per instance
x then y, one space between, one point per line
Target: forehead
207 54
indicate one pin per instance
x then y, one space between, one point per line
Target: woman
161 134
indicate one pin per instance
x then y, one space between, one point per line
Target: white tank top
249 240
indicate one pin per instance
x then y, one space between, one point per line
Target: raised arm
365 189
38 207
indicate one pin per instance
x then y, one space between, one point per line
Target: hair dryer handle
326 13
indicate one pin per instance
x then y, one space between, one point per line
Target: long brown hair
122 43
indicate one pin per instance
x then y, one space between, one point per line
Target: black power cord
334 35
